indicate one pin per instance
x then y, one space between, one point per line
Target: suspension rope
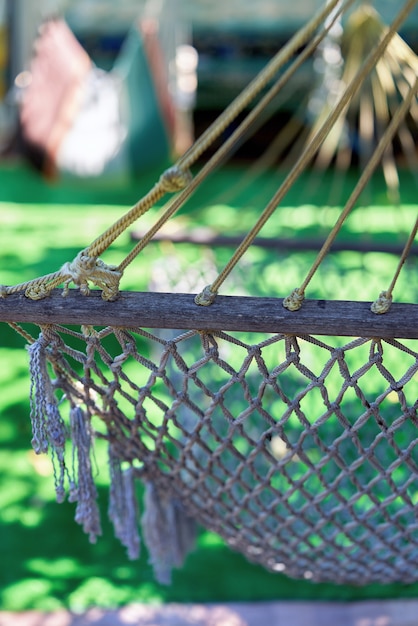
208 295
86 266
382 304
294 301
232 140
259 83
178 176
21 331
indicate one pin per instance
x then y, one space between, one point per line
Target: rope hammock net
288 426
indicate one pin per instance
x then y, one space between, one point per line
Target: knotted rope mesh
300 452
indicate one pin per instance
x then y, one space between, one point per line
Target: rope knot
4 291
294 301
382 304
85 268
206 297
175 179
37 291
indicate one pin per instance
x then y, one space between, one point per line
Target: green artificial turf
47 562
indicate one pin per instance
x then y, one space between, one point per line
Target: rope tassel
39 394
48 427
85 493
123 507
169 533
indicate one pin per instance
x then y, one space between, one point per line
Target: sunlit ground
46 560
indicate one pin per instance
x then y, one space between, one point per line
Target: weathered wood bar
179 311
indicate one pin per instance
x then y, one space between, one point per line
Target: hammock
80 121
286 425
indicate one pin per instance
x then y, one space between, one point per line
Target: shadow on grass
51 564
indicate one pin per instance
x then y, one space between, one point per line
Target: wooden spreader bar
179 311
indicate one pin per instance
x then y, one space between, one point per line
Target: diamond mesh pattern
301 454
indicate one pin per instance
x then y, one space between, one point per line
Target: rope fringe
39 390
169 533
85 492
123 506
48 427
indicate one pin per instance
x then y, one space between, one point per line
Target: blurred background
96 98
157 72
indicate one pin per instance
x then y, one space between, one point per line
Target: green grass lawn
47 561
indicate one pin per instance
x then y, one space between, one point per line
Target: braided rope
174 179
300 452
312 148
178 176
86 267
382 304
382 146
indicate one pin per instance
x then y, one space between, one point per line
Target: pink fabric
53 97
